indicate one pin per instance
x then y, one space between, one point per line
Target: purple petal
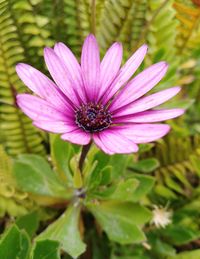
143 133
150 116
39 109
77 136
42 85
110 66
111 142
72 66
140 85
55 126
90 65
148 102
60 75
125 73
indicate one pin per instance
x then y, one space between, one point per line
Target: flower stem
84 152
93 17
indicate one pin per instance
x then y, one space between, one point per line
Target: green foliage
121 220
33 174
14 244
65 230
107 206
46 249
179 171
146 165
191 254
188 31
116 22
18 133
162 30
12 200
29 222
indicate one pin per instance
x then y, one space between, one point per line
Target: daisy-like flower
97 100
161 217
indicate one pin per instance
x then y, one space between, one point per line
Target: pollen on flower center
93 117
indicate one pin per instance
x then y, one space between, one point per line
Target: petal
143 133
73 67
60 75
148 102
78 136
42 85
90 65
111 142
55 126
110 66
140 85
125 73
39 109
150 116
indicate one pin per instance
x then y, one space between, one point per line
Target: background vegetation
168 171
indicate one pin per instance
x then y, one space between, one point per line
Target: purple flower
97 100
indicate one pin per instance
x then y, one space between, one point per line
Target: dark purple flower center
93 117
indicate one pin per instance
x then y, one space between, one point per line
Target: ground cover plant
99 129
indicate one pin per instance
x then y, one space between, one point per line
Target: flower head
97 99
161 217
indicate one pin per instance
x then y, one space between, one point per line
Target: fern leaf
19 135
114 21
178 168
189 33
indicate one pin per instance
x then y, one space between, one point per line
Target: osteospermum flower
96 100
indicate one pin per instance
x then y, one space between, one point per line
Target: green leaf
165 192
180 235
33 174
29 223
65 231
61 153
162 248
145 185
93 180
99 178
106 175
14 244
125 190
119 163
46 249
195 254
121 221
145 165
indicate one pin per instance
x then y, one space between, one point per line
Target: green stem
93 17
84 152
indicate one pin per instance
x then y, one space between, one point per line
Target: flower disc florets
93 117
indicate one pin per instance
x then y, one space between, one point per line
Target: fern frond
162 30
178 171
78 22
31 28
17 131
189 33
114 19
68 21
134 25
